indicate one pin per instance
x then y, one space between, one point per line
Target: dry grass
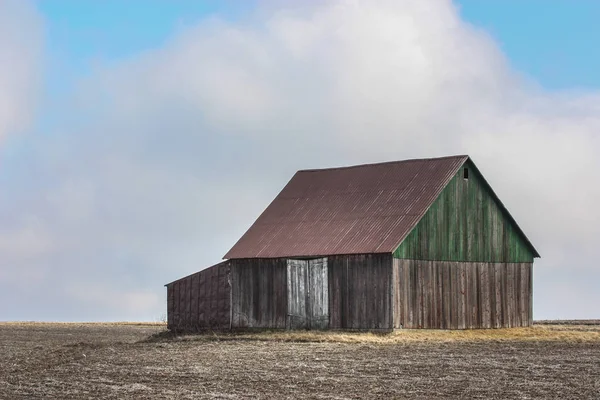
569 332
562 333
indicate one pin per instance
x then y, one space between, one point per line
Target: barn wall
259 288
461 295
466 223
200 301
360 291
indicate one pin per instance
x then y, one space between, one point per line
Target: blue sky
552 42
140 139
113 29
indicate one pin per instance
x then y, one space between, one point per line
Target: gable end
467 222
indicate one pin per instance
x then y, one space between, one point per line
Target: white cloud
130 304
23 237
20 48
185 145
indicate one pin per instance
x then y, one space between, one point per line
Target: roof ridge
465 156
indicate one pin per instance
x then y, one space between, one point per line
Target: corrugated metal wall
360 291
462 295
259 287
466 223
200 301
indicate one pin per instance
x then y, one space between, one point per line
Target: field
143 361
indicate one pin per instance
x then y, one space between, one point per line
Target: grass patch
562 333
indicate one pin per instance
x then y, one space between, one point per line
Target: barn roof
217 265
350 210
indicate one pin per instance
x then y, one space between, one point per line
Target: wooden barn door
308 297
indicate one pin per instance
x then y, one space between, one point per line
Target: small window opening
466 173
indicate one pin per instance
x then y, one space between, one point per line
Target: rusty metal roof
349 210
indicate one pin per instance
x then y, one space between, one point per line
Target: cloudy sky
139 140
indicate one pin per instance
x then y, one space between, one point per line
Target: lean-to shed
409 244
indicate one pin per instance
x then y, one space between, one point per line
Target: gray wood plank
484 288
462 299
530 278
406 289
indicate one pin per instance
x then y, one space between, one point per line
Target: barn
422 243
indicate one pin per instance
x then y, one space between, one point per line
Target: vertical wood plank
419 297
504 297
492 293
446 291
454 293
530 277
364 264
462 296
517 290
498 272
201 303
344 293
510 294
352 295
376 305
280 293
397 302
214 292
474 295
235 290
194 302
428 289
176 304
412 307
407 293
484 287
389 265
186 302
524 295
432 323
439 272
334 304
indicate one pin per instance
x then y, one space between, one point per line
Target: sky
139 140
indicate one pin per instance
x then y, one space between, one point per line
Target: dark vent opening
466 173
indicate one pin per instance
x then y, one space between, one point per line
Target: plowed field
123 361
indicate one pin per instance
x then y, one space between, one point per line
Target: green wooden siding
465 223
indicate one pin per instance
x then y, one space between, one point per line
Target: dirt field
126 361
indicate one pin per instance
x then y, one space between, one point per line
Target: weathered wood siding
259 293
360 291
466 223
461 295
200 301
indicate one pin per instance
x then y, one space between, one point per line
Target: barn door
308 300
296 280
318 294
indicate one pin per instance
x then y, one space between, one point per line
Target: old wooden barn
410 244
